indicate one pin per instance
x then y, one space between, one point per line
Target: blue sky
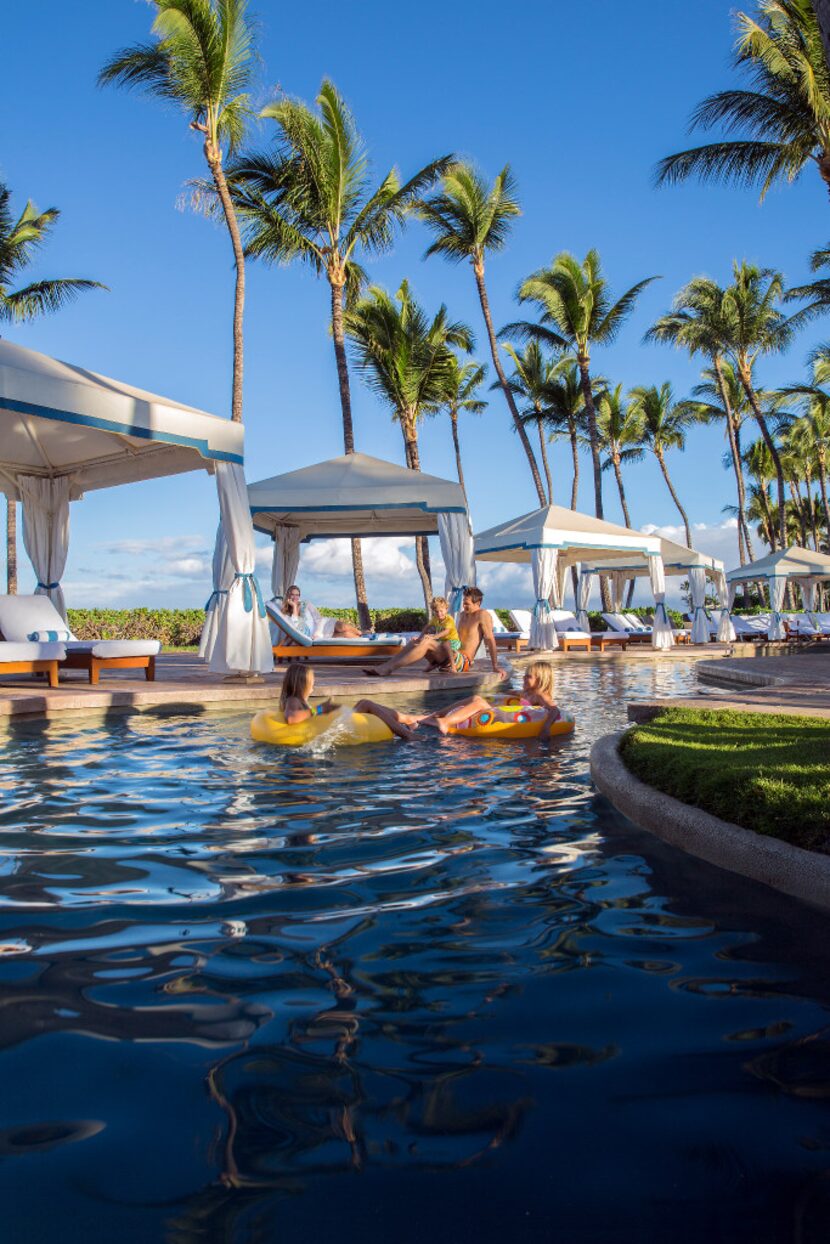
580 99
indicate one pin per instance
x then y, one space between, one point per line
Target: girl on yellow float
536 699
296 690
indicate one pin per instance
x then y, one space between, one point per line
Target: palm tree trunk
737 466
621 490
572 436
545 463
746 381
363 616
591 413
413 461
659 456
457 447
215 164
478 268
822 483
746 526
11 546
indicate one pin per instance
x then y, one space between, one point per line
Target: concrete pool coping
791 870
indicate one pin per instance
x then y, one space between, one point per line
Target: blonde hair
542 671
297 683
440 600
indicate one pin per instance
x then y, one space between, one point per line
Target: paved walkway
183 682
797 685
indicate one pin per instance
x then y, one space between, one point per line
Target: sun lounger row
36 640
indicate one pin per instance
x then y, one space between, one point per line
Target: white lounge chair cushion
21 616
521 620
25 651
112 648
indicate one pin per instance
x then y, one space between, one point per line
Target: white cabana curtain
542 628
697 589
617 584
809 594
242 642
777 591
285 562
583 594
726 631
222 580
456 539
662 635
46 532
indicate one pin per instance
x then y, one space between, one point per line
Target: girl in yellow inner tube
536 698
298 685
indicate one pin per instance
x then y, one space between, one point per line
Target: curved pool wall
436 992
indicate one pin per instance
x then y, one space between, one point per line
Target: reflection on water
391 991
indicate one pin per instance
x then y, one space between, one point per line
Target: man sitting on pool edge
475 627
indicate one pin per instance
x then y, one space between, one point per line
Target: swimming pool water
432 992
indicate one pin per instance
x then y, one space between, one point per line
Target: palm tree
202 59
721 395
565 412
462 386
815 424
577 314
782 119
697 324
533 372
311 198
664 425
761 470
407 360
620 430
470 219
20 240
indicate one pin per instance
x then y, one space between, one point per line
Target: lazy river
436 992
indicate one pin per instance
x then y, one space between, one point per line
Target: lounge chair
34 619
294 644
567 626
510 641
31 658
571 638
752 628
621 624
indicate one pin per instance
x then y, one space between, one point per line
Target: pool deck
795 685
184 685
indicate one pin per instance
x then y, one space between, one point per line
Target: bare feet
442 724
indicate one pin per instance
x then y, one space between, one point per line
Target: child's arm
553 714
295 711
445 634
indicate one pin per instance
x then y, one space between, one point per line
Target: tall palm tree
408 360
779 124
470 219
722 397
664 425
20 239
312 198
565 412
697 323
620 430
816 421
463 383
202 58
577 313
761 471
533 372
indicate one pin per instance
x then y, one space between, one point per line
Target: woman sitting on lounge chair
306 618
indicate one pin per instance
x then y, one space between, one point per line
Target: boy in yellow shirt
442 626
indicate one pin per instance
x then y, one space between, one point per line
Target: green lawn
770 774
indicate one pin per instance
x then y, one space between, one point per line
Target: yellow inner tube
485 726
347 728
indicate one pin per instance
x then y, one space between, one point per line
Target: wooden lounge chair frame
94 665
337 652
574 643
50 668
609 641
510 643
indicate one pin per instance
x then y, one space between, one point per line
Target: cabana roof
576 537
57 419
792 563
354 495
677 560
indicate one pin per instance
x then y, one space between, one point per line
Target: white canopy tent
65 431
803 566
677 561
552 539
357 495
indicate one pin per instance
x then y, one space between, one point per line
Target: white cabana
806 567
65 431
552 539
356 495
678 561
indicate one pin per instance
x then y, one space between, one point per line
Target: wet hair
542 671
297 683
474 594
440 600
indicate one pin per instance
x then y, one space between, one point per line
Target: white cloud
383 558
161 546
717 539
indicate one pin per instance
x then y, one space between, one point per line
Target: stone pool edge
792 870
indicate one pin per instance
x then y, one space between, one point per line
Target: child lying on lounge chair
298 685
537 695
